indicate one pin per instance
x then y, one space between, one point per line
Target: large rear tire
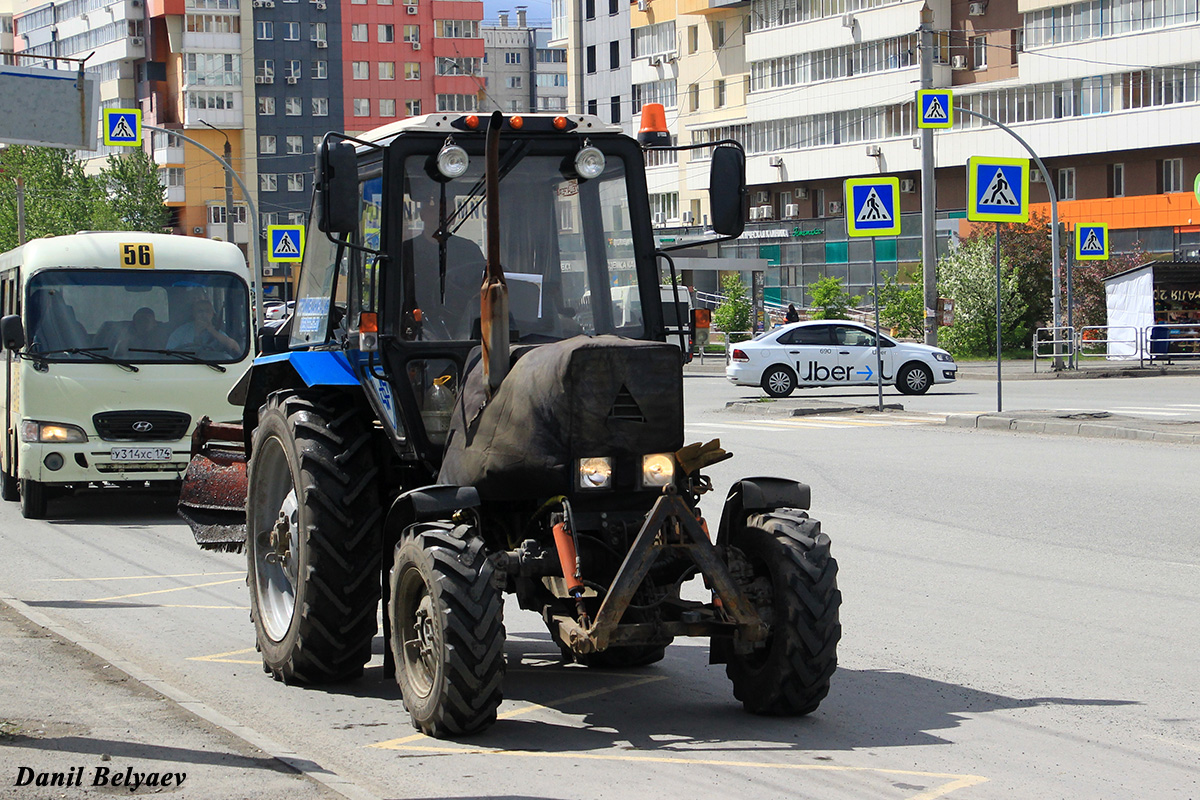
447 617
33 499
313 538
786 569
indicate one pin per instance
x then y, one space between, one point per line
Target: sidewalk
65 711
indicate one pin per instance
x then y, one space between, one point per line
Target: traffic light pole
254 232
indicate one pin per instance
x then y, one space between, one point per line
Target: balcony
173 194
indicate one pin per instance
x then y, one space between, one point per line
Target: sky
539 11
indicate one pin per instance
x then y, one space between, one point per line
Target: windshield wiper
186 355
91 352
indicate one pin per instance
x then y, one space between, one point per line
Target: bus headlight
595 473
51 432
658 470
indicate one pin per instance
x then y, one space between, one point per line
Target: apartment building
822 90
596 36
521 71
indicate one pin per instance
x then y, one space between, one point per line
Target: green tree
902 306
59 195
134 195
734 312
830 300
968 276
1028 258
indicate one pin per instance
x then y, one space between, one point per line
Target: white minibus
115 344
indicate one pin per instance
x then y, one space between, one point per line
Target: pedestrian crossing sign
287 243
997 189
1091 242
935 108
873 206
123 126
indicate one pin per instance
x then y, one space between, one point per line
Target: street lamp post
228 184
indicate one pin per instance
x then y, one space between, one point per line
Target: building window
362 107
264 68
615 107
591 59
719 93
171 176
266 106
455 29
266 145
316 140
358 32
1172 175
295 218
614 7
718 34
264 31
360 70
295 69
593 107
456 102
1116 180
291 31
386 33
291 107
589 9
267 182
317 32
387 107
693 38
268 218
295 145
512 58
513 81
979 51
320 70
387 70
412 108
412 71
295 182
1066 184
358 2
694 97
320 106
412 33
614 55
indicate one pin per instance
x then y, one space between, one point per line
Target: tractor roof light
653 130
452 160
589 162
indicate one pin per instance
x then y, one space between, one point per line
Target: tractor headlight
589 162
452 161
595 473
51 432
658 470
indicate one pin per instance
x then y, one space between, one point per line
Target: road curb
286 756
1064 427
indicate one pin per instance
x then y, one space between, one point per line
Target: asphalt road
1021 618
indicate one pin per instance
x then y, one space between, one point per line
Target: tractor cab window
564 244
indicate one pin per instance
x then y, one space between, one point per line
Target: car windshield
572 272
159 316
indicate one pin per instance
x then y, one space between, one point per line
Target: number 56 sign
137 256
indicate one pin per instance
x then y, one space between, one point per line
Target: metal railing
1156 343
1060 340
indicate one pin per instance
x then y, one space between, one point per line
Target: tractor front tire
313 523
791 578
447 629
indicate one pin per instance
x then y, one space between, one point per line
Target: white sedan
834 353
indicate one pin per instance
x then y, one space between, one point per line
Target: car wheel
778 380
914 379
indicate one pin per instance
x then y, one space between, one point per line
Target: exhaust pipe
493 295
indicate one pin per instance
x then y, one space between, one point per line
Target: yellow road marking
162 591
225 659
141 577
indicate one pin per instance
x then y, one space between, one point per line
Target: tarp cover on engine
583 397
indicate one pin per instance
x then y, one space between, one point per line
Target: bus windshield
151 316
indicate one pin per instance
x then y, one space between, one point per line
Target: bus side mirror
338 164
12 332
727 190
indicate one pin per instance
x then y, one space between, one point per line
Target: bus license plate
141 454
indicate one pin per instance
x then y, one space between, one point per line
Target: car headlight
943 357
658 469
595 473
51 432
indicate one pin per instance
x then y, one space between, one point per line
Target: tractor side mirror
12 332
727 190
338 174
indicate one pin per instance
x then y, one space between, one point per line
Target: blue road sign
1091 242
935 108
287 242
123 126
997 189
873 206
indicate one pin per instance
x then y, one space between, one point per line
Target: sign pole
878 346
999 401
1070 300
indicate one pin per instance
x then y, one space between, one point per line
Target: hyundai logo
143 427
